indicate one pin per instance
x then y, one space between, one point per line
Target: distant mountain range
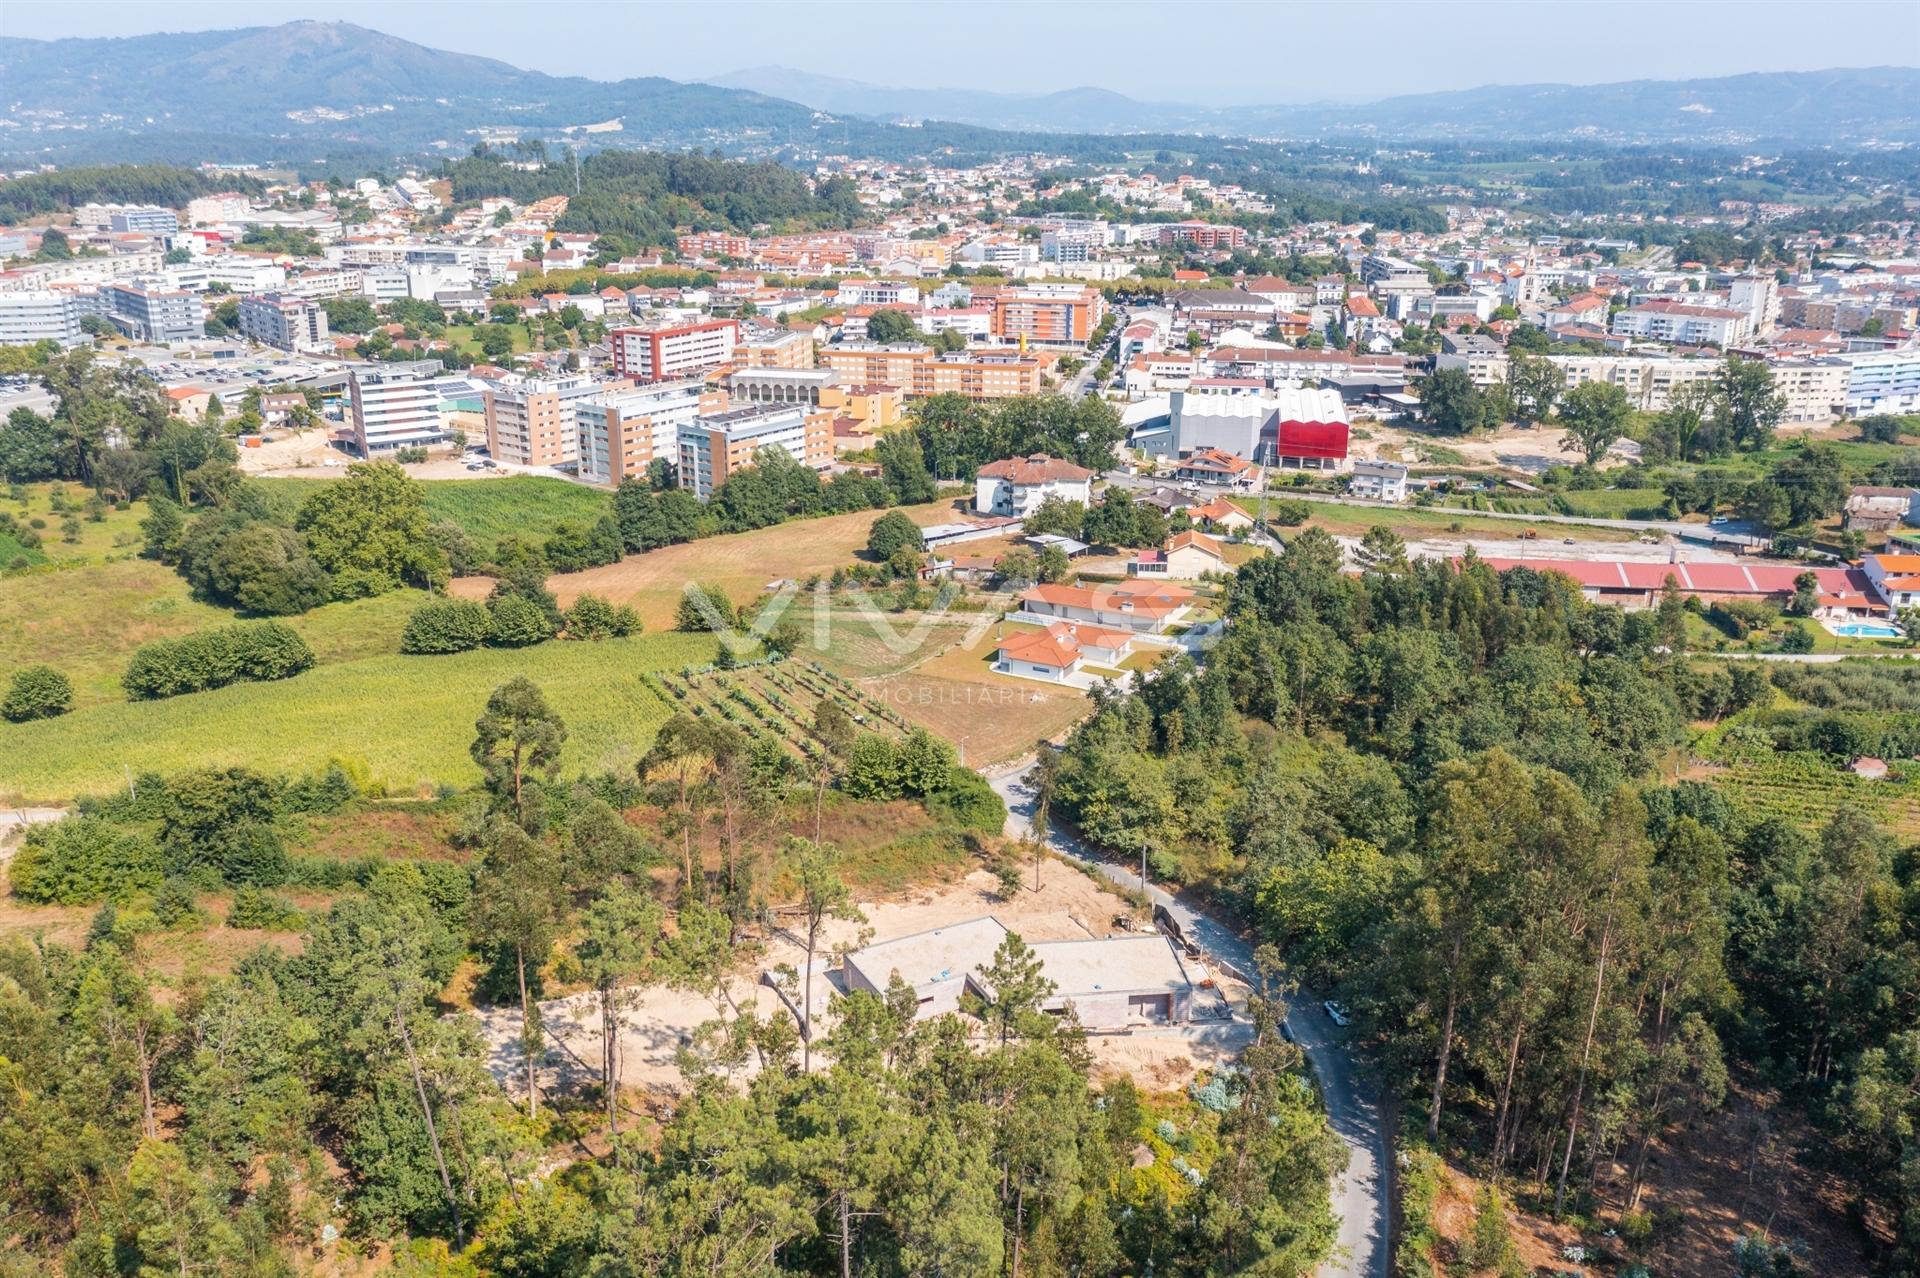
305 90
1840 106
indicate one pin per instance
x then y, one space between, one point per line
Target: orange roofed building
1058 651
1138 606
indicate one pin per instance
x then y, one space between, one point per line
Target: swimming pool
1868 630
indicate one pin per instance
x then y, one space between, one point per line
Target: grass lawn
409 719
462 338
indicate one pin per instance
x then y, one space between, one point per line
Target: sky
1214 52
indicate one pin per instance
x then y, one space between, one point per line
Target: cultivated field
408 719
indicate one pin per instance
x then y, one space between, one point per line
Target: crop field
487 509
1807 789
408 719
779 700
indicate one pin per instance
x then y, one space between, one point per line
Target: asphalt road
1360 1193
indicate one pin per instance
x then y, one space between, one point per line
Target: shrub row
251 651
509 621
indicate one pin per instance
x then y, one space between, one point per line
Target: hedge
254 651
447 625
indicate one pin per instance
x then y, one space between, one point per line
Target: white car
1337 1013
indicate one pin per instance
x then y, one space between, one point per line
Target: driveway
1360 1193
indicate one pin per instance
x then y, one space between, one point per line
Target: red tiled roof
1037 469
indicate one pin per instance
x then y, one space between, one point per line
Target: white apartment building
618 434
391 408
212 210
1072 244
289 323
238 272
40 316
384 283
323 283
1883 382
1684 325
155 314
1816 389
1649 381
876 293
1759 297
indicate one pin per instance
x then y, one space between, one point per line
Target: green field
462 338
408 719
487 509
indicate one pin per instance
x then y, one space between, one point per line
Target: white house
1140 606
1017 485
1381 481
1110 982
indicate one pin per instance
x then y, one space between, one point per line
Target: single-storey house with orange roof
1220 513
1186 556
1139 606
1060 649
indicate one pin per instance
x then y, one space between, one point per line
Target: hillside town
744 687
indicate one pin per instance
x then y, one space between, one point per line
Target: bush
84 859
592 617
38 692
518 622
254 910
252 854
969 802
252 651
1289 514
702 608
890 532
447 625
176 905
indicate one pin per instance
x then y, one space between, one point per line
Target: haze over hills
1837 106
303 90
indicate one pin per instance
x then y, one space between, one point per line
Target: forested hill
302 90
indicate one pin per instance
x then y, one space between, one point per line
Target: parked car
1337 1012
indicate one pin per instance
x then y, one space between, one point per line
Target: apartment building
619 434
714 244
1385 269
1683 325
393 407
919 372
1815 389
1883 382
40 315
1075 244
144 221
1649 381
155 314
1205 235
776 348
287 323
671 351
532 423
876 293
720 444
1053 315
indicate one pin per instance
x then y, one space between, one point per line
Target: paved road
1360 1194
